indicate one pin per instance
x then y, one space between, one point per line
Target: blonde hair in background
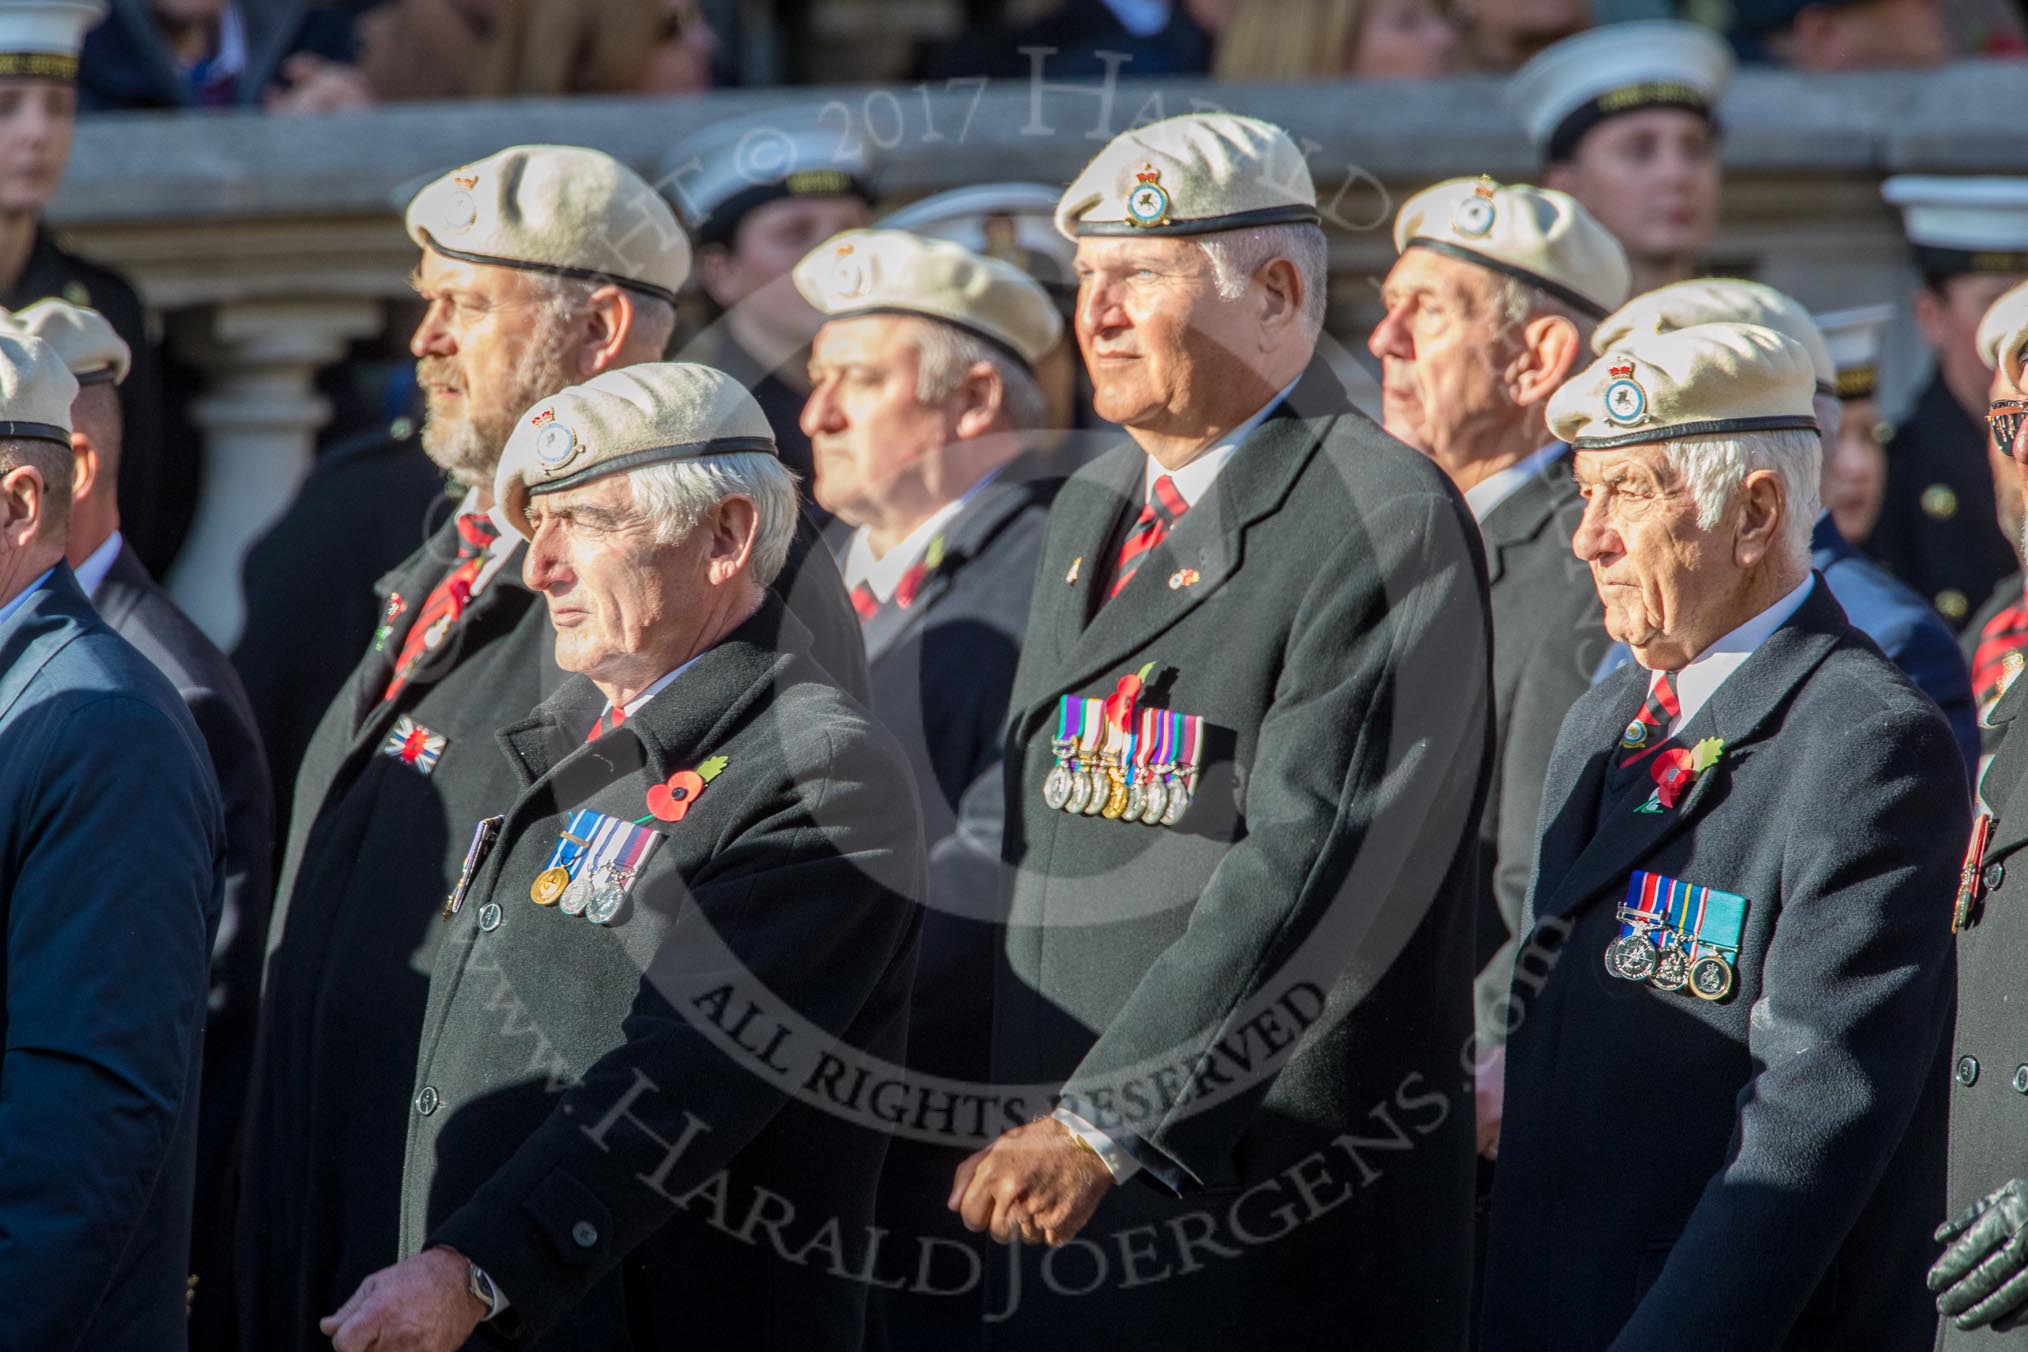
1289 40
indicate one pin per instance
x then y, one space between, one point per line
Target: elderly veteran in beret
702 823
110 875
1725 1093
1879 606
1487 312
541 267
1240 925
922 415
140 611
1980 1277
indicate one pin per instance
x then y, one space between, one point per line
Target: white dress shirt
91 574
882 573
634 705
1483 496
1696 683
1194 480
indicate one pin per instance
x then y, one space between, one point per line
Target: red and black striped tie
2004 635
1650 727
447 600
610 719
1164 507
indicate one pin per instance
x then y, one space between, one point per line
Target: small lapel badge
1183 577
413 745
1070 578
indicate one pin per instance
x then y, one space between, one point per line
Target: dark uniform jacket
1760 1170
1988 1145
142 613
157 487
112 855
596 1111
374 846
367 503
942 668
1937 530
1548 636
1267 1002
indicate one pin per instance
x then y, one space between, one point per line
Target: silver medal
1711 977
1056 788
578 894
1179 801
1157 801
1631 957
1101 789
1080 793
1672 970
1137 802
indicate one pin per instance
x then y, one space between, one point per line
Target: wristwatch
480 1285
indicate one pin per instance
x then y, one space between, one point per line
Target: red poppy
910 584
1673 771
1119 705
671 800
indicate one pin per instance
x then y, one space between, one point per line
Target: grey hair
677 494
1515 303
1237 255
945 354
1714 467
57 467
559 299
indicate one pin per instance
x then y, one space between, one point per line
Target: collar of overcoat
1522 515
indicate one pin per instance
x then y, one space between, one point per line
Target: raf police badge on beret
1474 216
1626 403
1148 203
556 445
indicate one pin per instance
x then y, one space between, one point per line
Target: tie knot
476 532
1165 502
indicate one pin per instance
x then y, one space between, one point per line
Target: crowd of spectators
306 56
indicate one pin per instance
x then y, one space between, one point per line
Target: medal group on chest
1676 935
1121 762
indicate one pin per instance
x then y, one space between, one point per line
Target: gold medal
1116 794
549 885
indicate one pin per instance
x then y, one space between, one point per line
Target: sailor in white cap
1488 310
1968 238
541 266
39 44
1256 576
1765 996
1855 460
1624 118
757 194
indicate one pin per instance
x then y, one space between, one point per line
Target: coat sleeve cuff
545 1254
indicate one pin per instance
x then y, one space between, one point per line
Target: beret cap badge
1148 203
1473 216
849 275
557 445
1626 403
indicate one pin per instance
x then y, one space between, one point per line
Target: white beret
1191 175
1013 222
1719 300
623 420
563 210
1706 380
40 38
725 171
1534 235
864 272
36 390
1854 337
84 339
2003 331
1959 225
1571 86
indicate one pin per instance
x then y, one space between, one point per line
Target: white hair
946 354
1714 467
677 494
1515 303
560 299
1238 255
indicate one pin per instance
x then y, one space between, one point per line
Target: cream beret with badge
1191 175
36 390
1538 236
84 339
2003 331
623 420
865 272
1719 300
1703 381
567 211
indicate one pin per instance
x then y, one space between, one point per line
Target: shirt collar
634 705
1483 496
91 574
1696 683
1194 480
21 598
882 573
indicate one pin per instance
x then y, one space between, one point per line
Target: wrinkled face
1159 341
1661 576
753 273
626 609
865 424
489 346
1403 40
1439 346
1855 473
1651 177
37 119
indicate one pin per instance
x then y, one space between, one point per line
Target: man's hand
1983 1275
424 1304
1036 1181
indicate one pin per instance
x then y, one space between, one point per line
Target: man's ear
981 396
84 466
606 327
1550 351
1763 507
735 527
22 504
1282 297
